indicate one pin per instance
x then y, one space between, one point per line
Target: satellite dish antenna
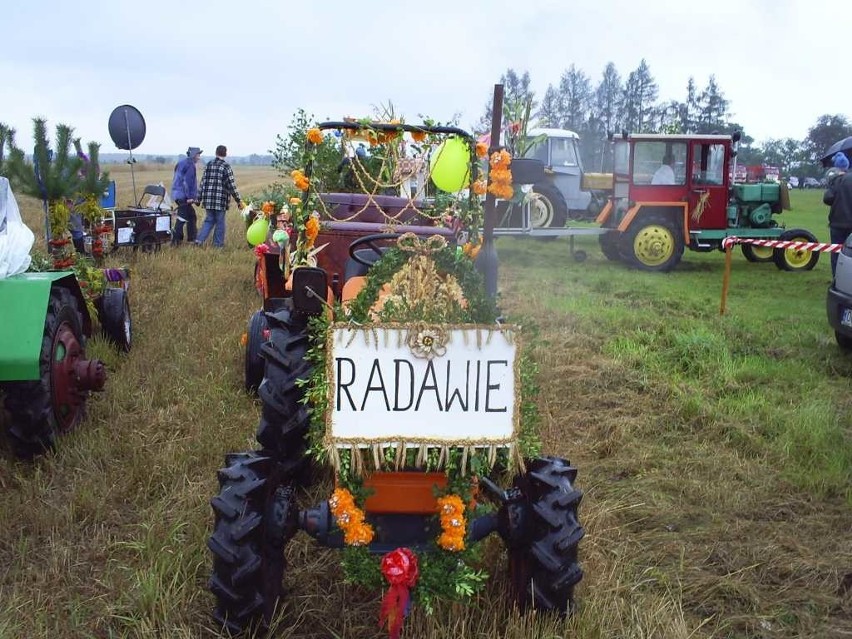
127 130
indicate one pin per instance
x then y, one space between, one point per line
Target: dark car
839 302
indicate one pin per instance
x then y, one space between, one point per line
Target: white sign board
422 385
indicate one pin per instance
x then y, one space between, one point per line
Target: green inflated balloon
449 165
256 233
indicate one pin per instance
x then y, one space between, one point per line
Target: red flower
400 569
261 249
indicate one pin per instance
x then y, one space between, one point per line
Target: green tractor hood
23 305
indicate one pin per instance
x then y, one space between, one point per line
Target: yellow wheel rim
797 258
762 252
654 245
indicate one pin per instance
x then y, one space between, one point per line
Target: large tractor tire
258 333
114 317
793 259
544 567
42 409
654 242
285 420
757 254
548 208
255 517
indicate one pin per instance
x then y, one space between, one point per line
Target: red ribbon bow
261 249
400 569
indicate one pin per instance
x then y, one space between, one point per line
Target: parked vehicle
812 183
652 221
839 300
391 498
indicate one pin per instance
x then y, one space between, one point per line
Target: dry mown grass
686 535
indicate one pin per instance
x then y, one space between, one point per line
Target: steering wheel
369 241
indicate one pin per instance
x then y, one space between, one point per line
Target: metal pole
486 261
131 161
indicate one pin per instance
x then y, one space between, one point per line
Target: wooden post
726 279
486 261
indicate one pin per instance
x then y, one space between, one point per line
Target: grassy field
715 454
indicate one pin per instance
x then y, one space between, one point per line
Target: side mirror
610 135
624 134
737 136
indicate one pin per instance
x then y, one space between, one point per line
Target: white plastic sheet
16 239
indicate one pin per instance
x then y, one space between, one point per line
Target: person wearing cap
217 188
185 194
838 196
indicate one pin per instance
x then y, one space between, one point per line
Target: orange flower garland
500 176
268 208
314 136
312 227
479 187
350 518
300 180
418 136
453 523
481 149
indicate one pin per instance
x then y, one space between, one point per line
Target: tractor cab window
538 151
708 163
659 163
563 152
621 157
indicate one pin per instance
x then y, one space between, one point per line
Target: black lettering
476 398
430 370
489 386
341 387
450 398
375 370
398 383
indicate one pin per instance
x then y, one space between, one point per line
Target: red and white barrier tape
819 247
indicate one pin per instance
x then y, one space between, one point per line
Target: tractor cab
691 171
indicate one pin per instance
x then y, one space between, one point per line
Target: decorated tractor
381 358
672 192
45 375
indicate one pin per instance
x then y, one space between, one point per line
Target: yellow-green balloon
449 165
256 233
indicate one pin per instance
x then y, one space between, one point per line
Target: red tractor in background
672 192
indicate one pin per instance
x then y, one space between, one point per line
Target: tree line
615 104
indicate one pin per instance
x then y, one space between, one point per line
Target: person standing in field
217 188
185 194
838 196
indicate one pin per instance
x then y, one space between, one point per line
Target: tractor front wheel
284 422
547 207
543 562
114 316
255 517
796 259
609 245
55 403
654 242
258 333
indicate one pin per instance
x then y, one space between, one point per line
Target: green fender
23 305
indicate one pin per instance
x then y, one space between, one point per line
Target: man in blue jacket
838 196
185 194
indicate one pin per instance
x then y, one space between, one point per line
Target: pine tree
609 99
7 140
551 113
575 94
516 90
689 108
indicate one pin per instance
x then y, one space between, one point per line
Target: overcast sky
233 73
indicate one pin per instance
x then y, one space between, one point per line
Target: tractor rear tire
115 319
544 567
654 242
548 209
757 254
36 420
255 517
793 260
258 331
285 419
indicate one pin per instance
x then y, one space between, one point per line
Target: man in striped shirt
217 188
